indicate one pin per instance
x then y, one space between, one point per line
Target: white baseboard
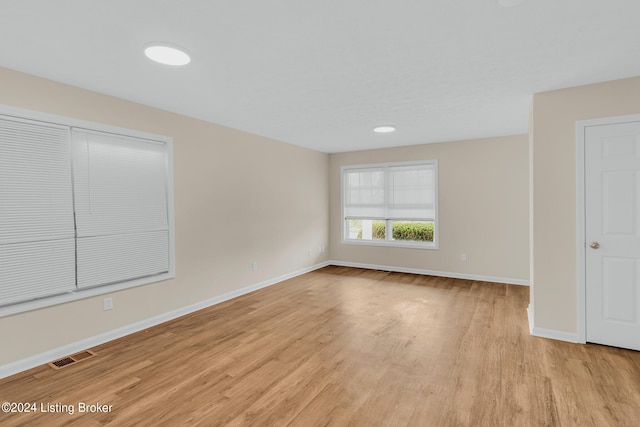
46 357
432 273
550 333
555 335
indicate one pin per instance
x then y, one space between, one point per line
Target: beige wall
483 208
239 198
553 159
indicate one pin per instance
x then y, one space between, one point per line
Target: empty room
357 213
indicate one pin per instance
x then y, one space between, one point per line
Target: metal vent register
70 360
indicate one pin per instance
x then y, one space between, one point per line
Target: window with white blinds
391 204
37 241
122 225
81 208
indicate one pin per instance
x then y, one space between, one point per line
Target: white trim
556 335
79 294
580 234
42 358
393 243
581 239
385 164
54 119
395 269
550 333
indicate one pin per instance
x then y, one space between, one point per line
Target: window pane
366 229
413 231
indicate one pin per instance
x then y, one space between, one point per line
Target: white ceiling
321 74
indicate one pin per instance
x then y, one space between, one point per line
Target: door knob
594 245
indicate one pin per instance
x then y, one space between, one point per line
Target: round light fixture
167 54
384 129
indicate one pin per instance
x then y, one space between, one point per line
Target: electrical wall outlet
107 304
254 266
463 257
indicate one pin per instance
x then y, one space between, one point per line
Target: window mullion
387 187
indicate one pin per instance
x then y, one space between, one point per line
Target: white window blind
364 193
37 246
411 192
403 192
121 207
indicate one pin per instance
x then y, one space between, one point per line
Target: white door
612 202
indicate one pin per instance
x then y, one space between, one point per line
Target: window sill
392 244
22 307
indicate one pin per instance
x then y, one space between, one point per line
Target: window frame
83 293
388 242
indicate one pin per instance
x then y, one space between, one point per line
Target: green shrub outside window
403 230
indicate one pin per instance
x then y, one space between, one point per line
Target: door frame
581 233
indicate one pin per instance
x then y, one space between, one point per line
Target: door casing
581 238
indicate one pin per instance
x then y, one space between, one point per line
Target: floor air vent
70 360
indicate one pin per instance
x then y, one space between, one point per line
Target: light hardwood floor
342 346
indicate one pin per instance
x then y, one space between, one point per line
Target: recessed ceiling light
384 129
167 54
510 3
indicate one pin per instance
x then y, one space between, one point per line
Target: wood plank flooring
344 347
